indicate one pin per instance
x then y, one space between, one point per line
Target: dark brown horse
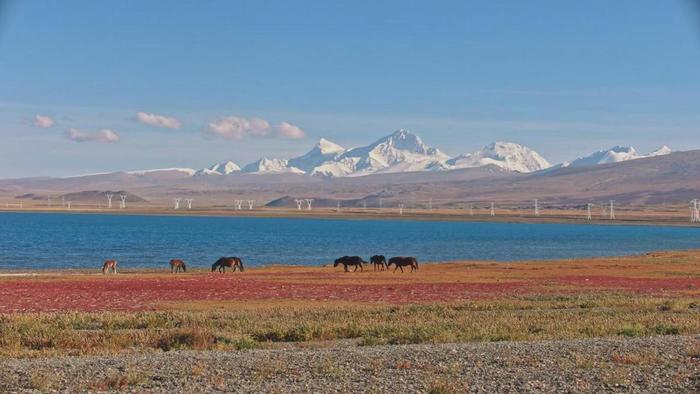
224 262
401 262
350 260
379 262
176 265
109 265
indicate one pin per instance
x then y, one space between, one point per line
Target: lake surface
30 240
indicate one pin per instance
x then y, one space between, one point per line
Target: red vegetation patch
132 294
650 286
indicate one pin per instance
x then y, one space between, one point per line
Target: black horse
379 262
401 262
224 262
350 260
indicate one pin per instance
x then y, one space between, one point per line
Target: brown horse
224 262
176 265
350 260
379 262
401 262
109 265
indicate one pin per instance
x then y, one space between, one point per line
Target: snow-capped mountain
322 152
225 168
403 151
615 154
271 166
663 150
507 155
399 152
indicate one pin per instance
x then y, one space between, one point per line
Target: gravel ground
654 365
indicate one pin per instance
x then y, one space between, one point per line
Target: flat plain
560 310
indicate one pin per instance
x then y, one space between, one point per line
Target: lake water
84 241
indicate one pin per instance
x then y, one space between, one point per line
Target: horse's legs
401 268
397 267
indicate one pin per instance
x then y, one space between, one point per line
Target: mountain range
403 151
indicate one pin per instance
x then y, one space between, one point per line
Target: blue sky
245 79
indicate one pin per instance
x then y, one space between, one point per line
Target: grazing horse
401 262
109 265
379 262
224 262
350 260
176 265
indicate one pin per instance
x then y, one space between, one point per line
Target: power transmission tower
122 204
588 211
109 200
612 209
493 209
537 208
176 201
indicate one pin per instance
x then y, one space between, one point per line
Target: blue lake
83 241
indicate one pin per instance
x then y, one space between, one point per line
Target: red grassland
669 274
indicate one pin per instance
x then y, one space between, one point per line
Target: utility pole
493 209
537 208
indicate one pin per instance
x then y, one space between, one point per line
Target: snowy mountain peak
224 168
400 151
271 166
323 151
325 146
663 150
507 155
616 154
403 139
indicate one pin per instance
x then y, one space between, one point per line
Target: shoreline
624 218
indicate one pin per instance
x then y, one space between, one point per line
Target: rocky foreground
654 365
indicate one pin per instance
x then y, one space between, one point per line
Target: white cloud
103 135
237 128
43 121
158 120
288 130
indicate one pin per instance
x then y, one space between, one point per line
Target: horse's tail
240 264
213 266
184 267
415 261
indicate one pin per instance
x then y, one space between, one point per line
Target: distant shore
653 217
